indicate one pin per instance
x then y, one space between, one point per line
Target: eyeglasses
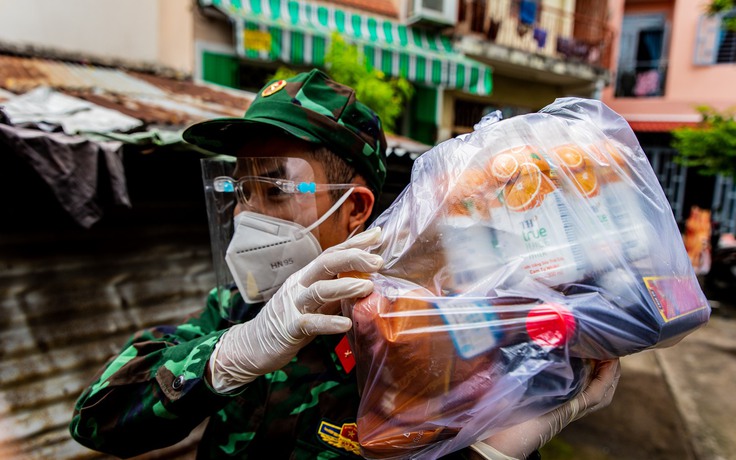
259 190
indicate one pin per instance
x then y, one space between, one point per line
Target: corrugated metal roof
64 311
21 74
151 99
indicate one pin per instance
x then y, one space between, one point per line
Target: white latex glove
518 442
305 306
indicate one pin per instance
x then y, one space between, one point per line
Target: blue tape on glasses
306 187
226 184
223 184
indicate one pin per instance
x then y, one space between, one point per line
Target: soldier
261 360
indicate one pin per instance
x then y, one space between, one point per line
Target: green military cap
312 107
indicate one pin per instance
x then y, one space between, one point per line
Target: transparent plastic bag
517 254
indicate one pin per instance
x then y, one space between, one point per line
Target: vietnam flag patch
345 355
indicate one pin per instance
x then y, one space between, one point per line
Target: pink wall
688 85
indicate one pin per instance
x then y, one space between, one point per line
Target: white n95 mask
265 251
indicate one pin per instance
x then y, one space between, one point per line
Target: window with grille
726 46
642 64
715 43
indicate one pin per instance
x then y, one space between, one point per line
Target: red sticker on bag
345 355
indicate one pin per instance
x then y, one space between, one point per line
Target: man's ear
362 201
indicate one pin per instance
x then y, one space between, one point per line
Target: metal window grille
724 203
727 47
715 44
672 177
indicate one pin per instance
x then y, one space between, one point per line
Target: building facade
671 58
464 57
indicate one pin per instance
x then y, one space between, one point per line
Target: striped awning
299 32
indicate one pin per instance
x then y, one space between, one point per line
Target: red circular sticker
550 325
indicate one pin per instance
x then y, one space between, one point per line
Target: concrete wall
176 34
139 31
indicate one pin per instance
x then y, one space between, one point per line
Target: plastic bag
517 254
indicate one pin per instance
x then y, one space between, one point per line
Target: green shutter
460 73
319 49
276 43
220 69
297 47
370 56
423 123
421 72
404 65
386 61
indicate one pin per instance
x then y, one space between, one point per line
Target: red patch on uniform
345 354
350 431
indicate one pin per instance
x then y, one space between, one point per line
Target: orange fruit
506 163
605 161
586 182
533 155
617 156
599 158
571 156
524 193
504 166
472 194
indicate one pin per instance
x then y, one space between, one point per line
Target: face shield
264 216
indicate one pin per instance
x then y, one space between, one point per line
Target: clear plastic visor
286 188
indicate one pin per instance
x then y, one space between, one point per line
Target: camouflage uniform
153 394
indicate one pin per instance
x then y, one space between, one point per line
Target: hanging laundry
647 83
540 36
493 29
528 12
565 46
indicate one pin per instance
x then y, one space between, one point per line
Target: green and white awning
299 32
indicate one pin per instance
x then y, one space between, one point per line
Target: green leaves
388 97
723 6
710 147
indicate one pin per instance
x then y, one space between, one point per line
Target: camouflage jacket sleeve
153 393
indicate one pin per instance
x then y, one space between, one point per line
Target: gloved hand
519 441
305 306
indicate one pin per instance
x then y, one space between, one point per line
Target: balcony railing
528 25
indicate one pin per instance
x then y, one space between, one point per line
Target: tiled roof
383 7
149 98
658 126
